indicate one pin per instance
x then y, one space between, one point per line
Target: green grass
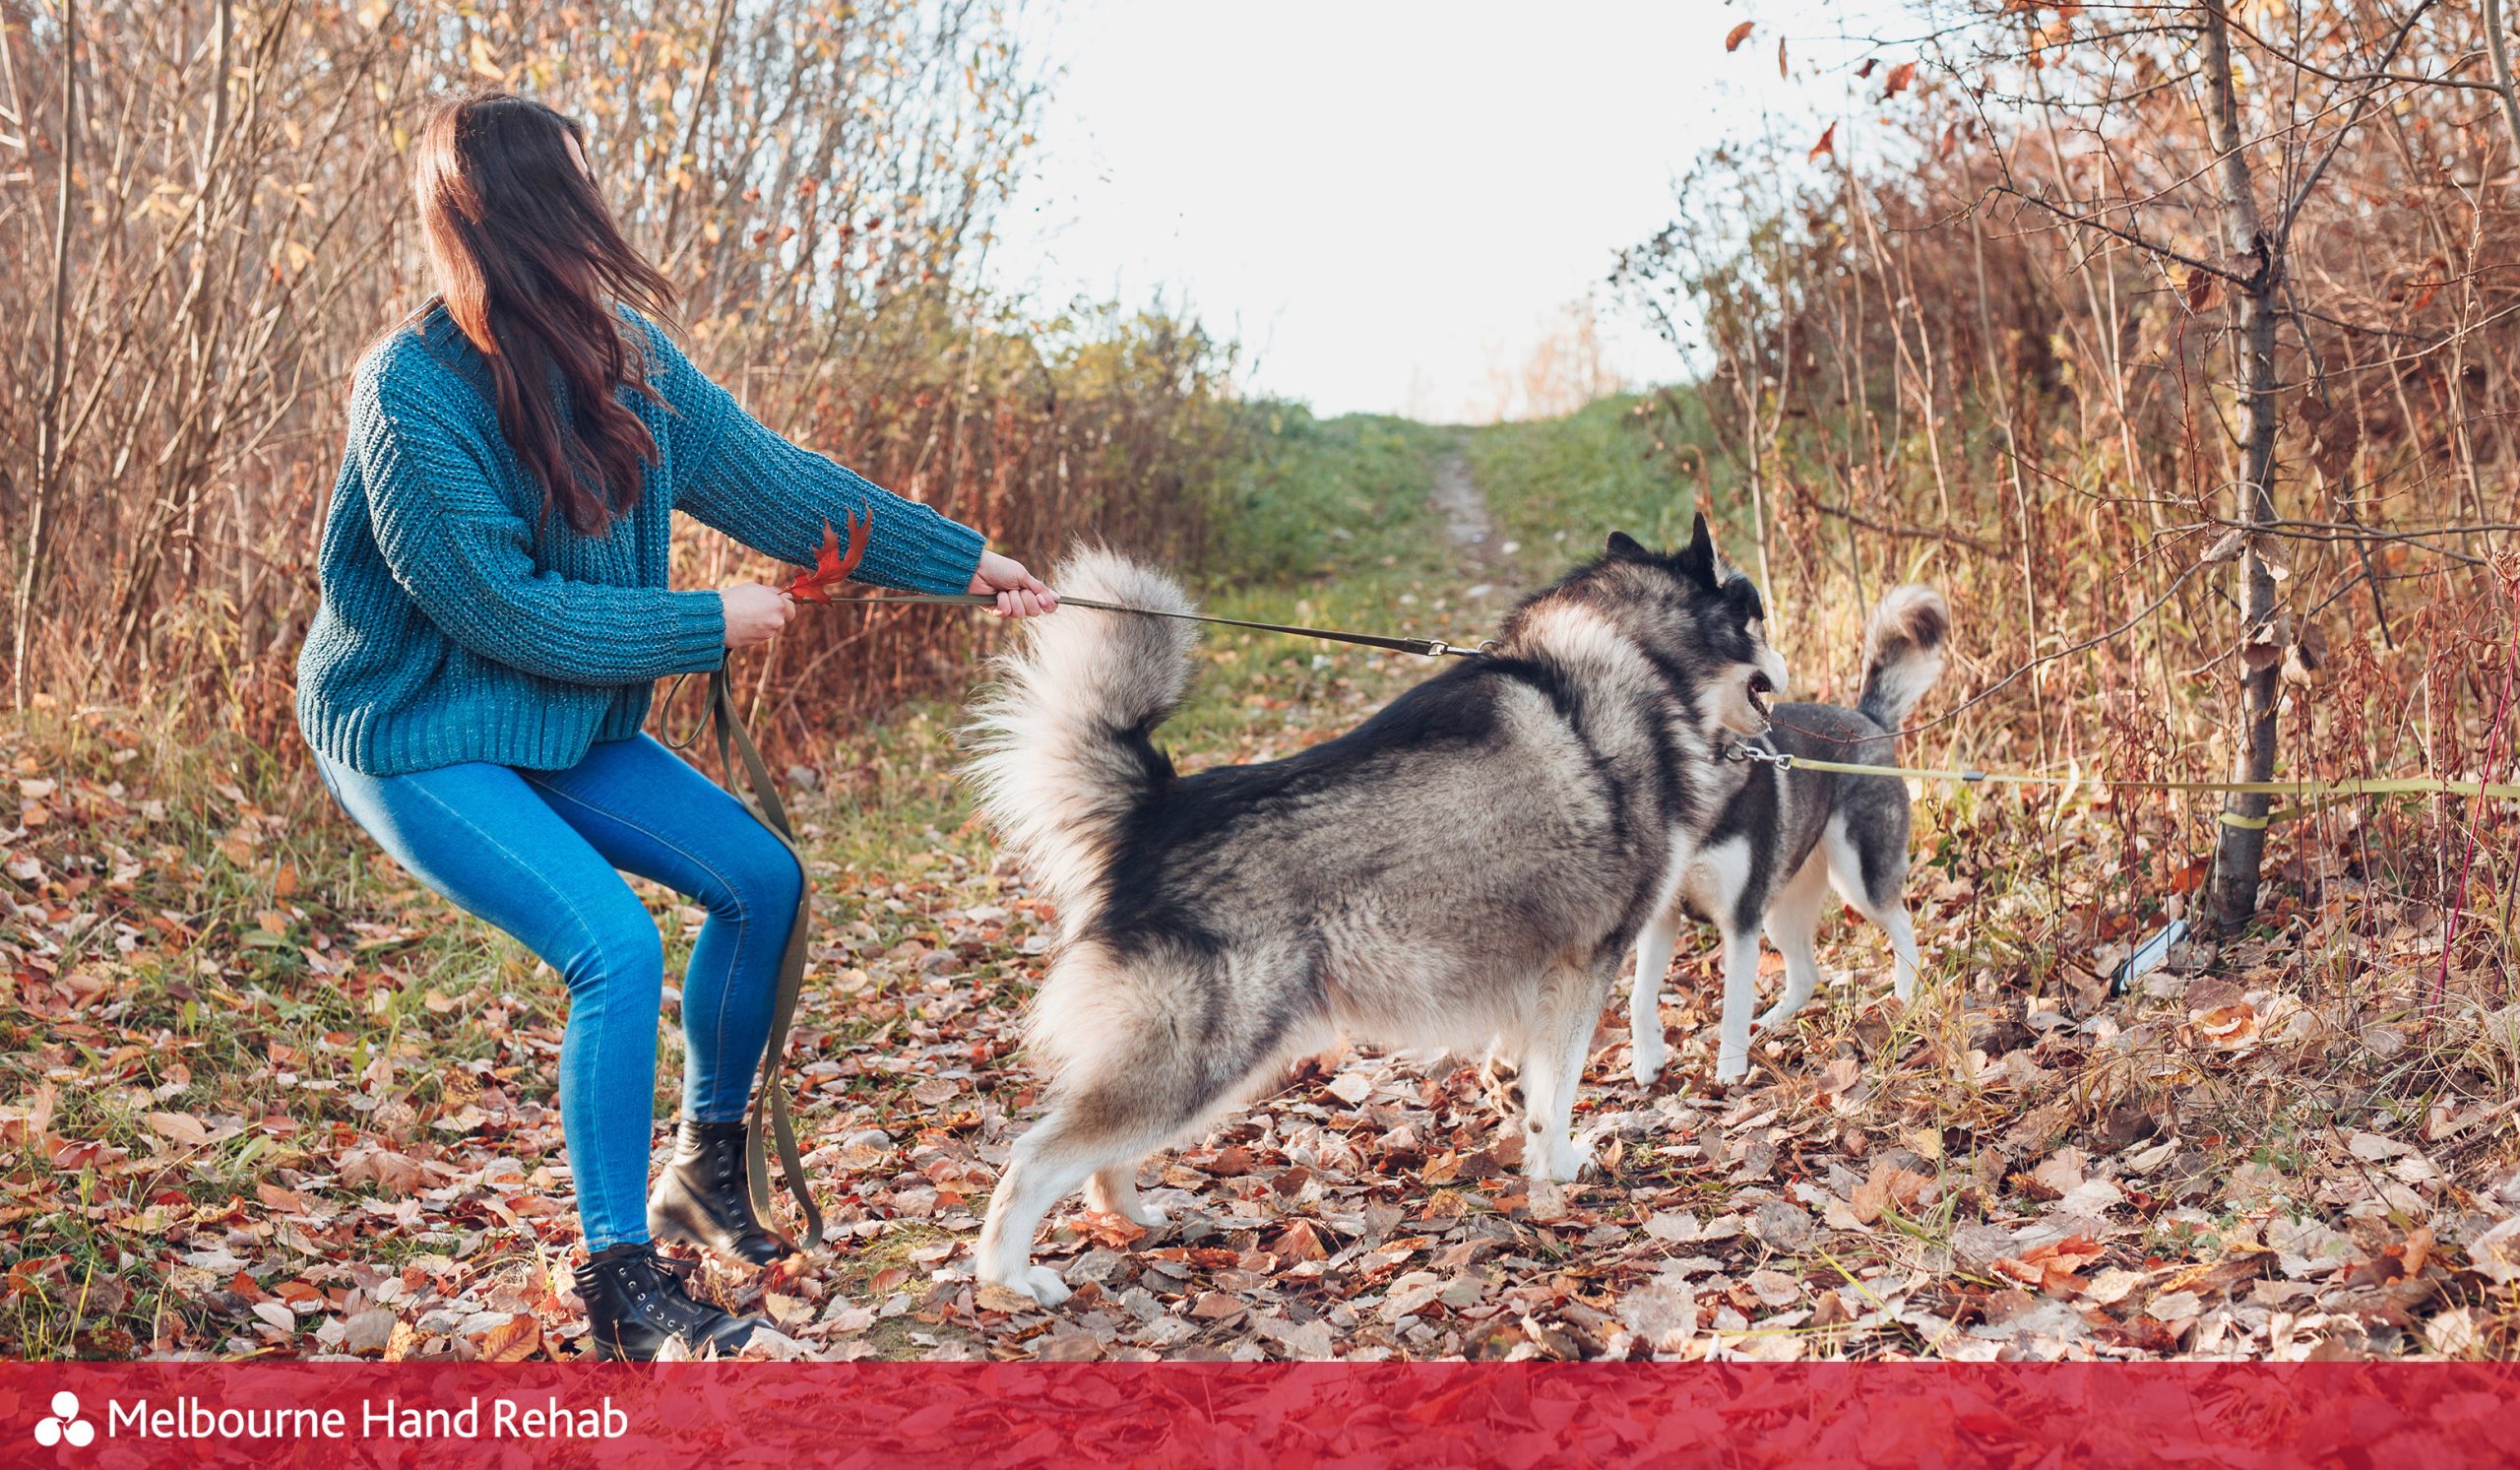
1320 499
1327 523
1559 486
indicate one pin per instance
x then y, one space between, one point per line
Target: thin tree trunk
2497 42
2243 840
48 428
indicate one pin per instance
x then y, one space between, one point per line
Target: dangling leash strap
767 1125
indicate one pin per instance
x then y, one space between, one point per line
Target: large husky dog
1785 838
1470 864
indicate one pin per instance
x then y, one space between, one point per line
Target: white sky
1389 201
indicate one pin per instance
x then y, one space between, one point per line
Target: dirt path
1466 522
1482 561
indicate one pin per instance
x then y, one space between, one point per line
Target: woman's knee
619 955
764 880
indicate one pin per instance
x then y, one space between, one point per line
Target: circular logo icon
65 1427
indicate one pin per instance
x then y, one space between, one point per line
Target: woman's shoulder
659 356
424 351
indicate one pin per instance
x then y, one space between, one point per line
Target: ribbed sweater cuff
696 637
942 559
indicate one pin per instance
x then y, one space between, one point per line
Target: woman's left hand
1019 593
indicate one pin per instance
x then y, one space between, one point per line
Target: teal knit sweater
460 623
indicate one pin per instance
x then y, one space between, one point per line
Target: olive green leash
2322 794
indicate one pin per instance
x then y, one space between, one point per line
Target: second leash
2316 792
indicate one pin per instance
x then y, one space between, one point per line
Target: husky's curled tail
1062 751
1902 654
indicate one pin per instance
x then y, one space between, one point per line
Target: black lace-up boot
636 1303
703 1199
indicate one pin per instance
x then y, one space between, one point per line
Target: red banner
1264 1415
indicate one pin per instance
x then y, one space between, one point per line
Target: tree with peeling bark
2258 278
2263 252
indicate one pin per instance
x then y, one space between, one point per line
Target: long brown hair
529 263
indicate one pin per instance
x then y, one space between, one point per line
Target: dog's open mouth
1760 689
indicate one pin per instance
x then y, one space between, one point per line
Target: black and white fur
1470 864
1783 839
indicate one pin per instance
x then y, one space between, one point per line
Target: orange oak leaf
831 566
1739 33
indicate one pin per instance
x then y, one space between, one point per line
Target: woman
494 617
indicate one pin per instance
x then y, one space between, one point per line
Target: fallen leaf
180 1127
513 1341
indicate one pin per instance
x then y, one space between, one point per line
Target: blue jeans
534 853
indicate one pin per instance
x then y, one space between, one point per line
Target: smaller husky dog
1470 864
1785 838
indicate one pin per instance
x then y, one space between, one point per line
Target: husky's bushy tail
1902 653
1061 746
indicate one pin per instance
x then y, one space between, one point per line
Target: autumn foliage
224 226
2178 340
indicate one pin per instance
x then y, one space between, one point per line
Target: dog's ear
1626 548
1697 559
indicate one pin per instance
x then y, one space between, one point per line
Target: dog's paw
1039 1283
1775 1017
1647 1059
1132 1207
1042 1285
1554 1161
1731 1069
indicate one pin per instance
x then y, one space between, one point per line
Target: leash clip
1742 750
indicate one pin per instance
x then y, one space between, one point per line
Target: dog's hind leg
1047 1162
1114 1192
1793 920
1871 878
1647 1050
1560 1039
1127 1083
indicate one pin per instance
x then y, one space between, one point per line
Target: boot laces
733 1193
651 1274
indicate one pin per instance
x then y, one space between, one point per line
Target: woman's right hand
754 614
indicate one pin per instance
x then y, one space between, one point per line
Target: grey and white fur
1783 838
1470 864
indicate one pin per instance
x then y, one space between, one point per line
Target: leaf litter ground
258 1113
